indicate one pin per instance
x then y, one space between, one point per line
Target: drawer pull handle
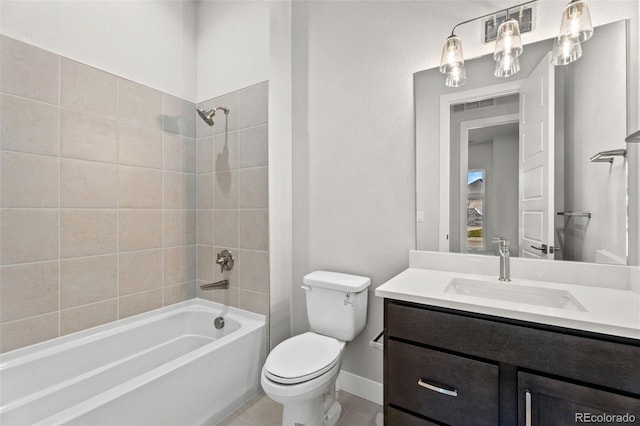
527 412
438 388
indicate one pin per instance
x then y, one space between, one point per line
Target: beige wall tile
204 155
179 153
253 188
28 180
139 146
139 104
179 116
254 229
179 292
139 271
138 303
139 188
205 263
225 228
88 184
87 280
88 137
253 105
28 126
227 297
88 232
18 334
205 227
28 290
179 264
225 190
180 190
253 146
28 235
29 71
205 191
83 317
87 89
254 271
140 229
225 151
254 302
179 227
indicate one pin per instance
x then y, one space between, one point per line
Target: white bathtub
170 366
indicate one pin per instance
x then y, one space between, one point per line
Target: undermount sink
509 292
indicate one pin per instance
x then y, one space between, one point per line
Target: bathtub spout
224 284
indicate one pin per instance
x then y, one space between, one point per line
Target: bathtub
170 366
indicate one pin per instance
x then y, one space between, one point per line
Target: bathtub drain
218 322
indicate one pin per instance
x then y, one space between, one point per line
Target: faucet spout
503 250
224 284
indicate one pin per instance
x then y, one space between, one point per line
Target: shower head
208 114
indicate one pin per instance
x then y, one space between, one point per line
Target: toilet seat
302 358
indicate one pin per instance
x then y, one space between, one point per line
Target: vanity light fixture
508 48
575 28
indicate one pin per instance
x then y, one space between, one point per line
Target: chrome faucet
503 250
225 260
224 284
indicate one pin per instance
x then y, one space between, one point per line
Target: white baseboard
360 386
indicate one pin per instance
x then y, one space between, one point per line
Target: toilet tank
336 303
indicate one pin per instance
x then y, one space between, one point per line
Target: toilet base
311 413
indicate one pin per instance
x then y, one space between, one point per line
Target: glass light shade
452 59
508 41
576 21
506 65
456 77
566 49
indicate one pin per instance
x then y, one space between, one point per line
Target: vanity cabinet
444 366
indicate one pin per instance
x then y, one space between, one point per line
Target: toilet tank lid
337 281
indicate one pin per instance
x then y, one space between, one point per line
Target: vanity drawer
395 417
415 374
592 360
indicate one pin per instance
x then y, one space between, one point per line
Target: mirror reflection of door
536 165
506 165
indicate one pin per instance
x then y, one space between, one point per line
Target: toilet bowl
301 372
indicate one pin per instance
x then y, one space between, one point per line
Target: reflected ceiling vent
484 103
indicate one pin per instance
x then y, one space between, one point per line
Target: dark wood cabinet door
548 402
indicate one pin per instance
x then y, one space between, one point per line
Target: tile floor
262 411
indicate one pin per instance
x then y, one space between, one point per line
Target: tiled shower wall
233 198
98 196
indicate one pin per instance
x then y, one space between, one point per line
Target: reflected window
475 209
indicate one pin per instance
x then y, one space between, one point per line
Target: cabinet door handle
438 388
527 412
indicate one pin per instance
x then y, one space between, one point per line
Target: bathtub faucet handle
225 260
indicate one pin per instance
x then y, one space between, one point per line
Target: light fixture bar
491 14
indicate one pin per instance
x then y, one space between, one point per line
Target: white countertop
608 310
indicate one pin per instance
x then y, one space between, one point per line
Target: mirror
486 173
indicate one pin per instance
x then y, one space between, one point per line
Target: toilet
301 372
